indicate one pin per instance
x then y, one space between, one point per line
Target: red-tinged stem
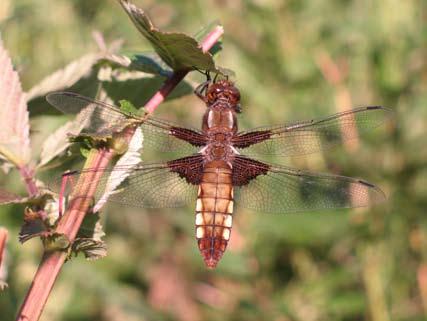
69 225
28 176
79 205
52 262
3 239
212 38
167 87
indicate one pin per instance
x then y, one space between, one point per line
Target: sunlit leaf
14 123
80 68
127 107
59 141
177 50
65 77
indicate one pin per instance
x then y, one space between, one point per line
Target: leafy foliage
14 137
294 60
177 50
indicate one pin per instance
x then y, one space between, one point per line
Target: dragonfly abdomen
214 209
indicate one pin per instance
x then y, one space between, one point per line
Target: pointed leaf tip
14 122
177 50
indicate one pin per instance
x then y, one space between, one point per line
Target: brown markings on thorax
219 119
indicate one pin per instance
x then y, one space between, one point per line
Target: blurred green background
293 60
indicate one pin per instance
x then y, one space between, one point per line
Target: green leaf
84 151
139 90
177 50
149 63
127 107
56 242
87 141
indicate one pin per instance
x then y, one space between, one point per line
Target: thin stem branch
69 225
3 239
28 177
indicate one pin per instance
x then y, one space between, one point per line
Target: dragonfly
222 165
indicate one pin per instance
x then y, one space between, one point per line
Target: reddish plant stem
168 86
28 177
3 239
52 262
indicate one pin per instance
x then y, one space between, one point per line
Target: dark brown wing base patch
190 136
246 169
190 168
251 138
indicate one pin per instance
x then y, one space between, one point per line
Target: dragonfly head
225 91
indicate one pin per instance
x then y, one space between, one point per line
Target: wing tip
376 194
389 112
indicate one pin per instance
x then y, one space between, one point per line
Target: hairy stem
52 262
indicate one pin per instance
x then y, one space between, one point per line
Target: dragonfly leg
200 90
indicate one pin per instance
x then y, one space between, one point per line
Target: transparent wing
283 190
102 119
310 136
150 185
165 136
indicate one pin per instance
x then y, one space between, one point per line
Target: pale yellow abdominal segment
214 209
